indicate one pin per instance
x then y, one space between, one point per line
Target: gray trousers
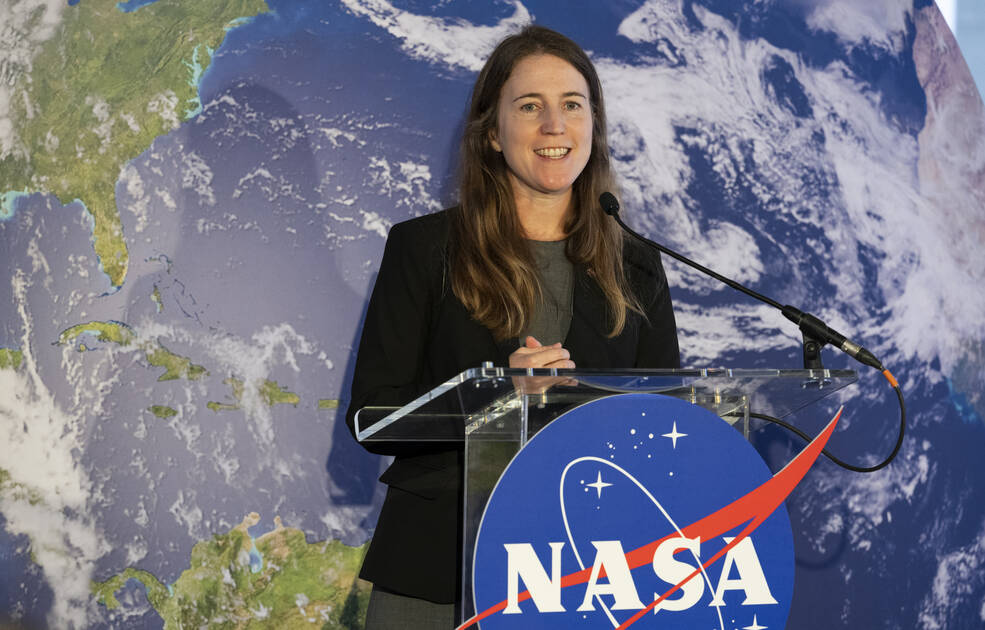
390 611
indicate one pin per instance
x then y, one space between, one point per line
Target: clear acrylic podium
492 412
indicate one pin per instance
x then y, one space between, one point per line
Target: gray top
552 312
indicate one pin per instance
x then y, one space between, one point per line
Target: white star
599 484
673 435
755 625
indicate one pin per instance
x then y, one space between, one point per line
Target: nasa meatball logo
643 511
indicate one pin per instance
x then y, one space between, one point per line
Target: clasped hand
533 354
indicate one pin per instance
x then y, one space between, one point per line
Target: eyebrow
539 95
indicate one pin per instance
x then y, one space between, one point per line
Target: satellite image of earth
194 198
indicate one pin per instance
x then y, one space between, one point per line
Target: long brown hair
492 268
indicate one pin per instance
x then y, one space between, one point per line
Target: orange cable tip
889 377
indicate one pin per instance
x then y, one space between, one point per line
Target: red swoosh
753 508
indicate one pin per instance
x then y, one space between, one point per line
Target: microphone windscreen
609 203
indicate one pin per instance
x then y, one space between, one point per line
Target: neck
543 216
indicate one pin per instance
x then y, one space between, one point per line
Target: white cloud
48 491
166 198
136 551
960 575
24 27
406 183
373 222
454 43
333 134
710 331
878 22
720 106
196 175
165 105
139 203
187 512
131 122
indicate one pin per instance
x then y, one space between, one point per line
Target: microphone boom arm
814 331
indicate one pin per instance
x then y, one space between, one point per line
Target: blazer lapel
587 335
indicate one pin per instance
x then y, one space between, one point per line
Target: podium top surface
478 395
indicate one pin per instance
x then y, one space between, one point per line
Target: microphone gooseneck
812 327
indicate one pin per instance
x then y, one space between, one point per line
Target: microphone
816 332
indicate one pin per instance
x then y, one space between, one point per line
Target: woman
527 255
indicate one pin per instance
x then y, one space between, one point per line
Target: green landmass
218 406
328 403
101 90
175 366
278 580
10 359
270 392
155 297
112 332
105 592
274 394
15 491
162 411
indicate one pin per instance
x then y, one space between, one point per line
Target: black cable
845 465
815 332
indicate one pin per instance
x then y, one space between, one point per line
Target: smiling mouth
554 153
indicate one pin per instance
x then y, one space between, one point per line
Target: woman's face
544 126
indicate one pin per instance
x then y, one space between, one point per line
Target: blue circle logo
635 511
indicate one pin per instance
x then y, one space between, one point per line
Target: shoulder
644 271
423 238
432 225
641 260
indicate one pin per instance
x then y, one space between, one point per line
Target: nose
553 122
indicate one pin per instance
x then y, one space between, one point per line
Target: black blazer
417 335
